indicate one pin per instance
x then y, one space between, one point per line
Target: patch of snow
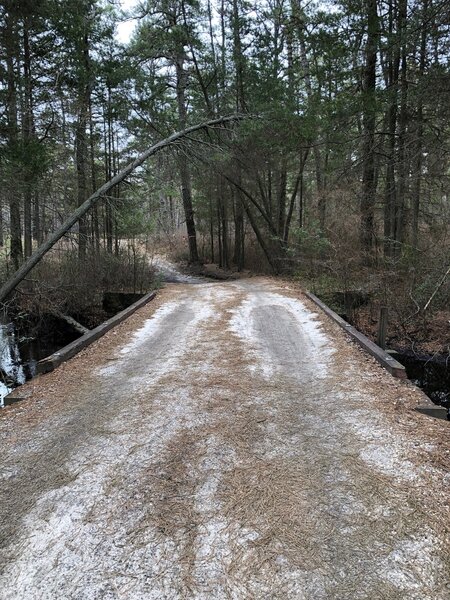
150 327
68 531
304 338
413 564
212 543
389 461
153 332
381 449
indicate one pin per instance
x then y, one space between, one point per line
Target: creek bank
27 339
424 357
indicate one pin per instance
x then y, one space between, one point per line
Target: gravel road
226 442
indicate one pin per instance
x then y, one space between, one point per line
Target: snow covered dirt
225 442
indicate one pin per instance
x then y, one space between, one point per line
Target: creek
25 341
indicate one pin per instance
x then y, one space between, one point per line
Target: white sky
125 29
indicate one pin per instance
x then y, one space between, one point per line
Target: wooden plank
11 399
438 412
54 360
388 362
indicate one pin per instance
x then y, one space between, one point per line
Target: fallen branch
73 323
438 287
37 256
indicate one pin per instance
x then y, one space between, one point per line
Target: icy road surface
225 442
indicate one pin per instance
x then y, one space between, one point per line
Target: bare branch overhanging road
222 443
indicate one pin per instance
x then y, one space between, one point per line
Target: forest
333 167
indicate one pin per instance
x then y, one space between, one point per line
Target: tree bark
402 130
14 198
28 133
239 240
95 221
185 173
81 144
320 179
419 134
393 66
368 177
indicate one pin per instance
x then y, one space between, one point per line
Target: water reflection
12 372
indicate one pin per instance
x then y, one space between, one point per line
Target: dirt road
225 442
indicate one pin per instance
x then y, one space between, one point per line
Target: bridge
225 441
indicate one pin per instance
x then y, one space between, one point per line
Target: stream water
22 346
24 343
430 373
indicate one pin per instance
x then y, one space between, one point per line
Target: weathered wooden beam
382 327
54 360
432 410
388 362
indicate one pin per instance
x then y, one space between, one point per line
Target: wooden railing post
382 327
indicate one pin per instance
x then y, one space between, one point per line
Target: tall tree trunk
37 229
403 117
95 221
81 144
185 174
238 60
419 133
224 218
219 230
298 186
2 241
14 197
368 177
239 240
282 198
393 66
211 227
28 133
298 16
108 171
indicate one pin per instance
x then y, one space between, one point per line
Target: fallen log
73 323
37 256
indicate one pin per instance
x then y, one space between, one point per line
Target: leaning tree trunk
37 256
